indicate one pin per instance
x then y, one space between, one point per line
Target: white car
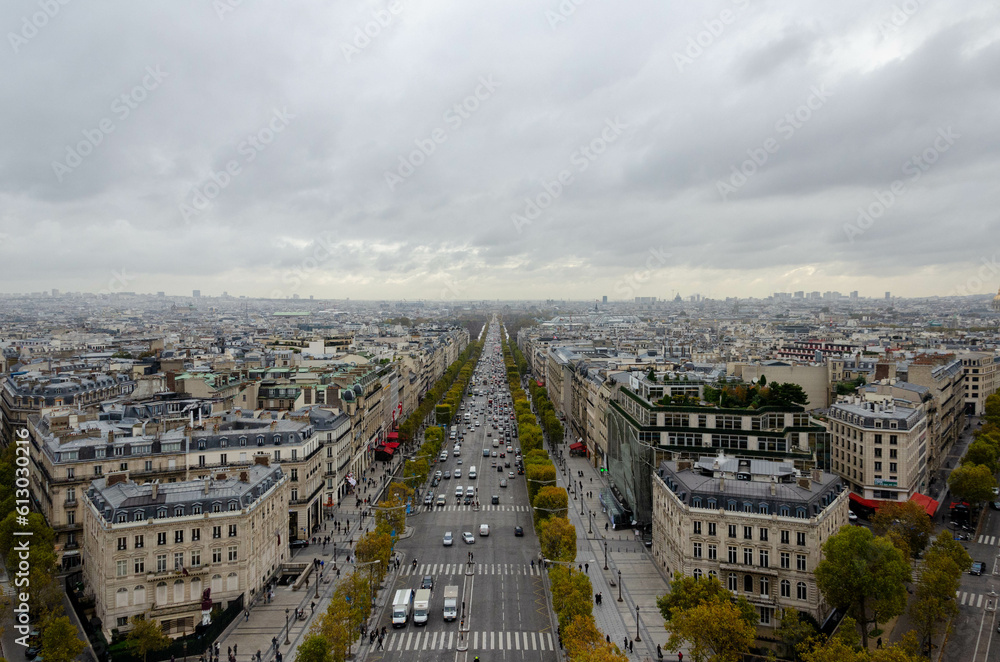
469 538
457 473
484 530
448 539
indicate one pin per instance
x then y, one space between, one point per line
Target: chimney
262 459
156 489
115 478
208 484
817 475
244 476
683 465
774 485
111 436
722 483
805 483
220 476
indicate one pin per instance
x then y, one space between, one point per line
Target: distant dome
358 390
348 396
996 302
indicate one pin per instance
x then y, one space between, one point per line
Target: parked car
977 568
299 544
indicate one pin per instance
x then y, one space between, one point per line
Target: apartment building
155 549
756 525
982 378
944 379
642 434
879 448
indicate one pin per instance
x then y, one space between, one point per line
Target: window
697 550
139 516
764 557
195 558
232 554
763 534
148 466
139 565
697 527
697 573
232 505
762 508
195 535
785 537
892 467
294 495
295 474
786 588
732 554
121 568
731 505
178 536
123 543
711 529
801 592
232 530
732 530
765 612
747 507
748 583
70 473
765 586
800 538
216 531
800 562
123 466
217 555
161 538
748 533
196 509
178 560
71 517
139 542
733 586
161 562
786 560
747 556
713 552
98 471
878 453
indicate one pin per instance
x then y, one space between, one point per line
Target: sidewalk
641 583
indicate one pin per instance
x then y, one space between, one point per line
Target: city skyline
563 150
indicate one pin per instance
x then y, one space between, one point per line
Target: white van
472 471
458 491
456 451
401 607
470 491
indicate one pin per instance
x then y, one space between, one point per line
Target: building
642 434
155 549
981 380
879 448
756 525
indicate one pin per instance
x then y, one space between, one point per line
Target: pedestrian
246 613
607 638
631 646
680 656
605 526
626 643
277 656
586 567
380 640
234 649
274 643
258 655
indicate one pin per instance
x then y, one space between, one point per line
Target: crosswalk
435 569
422 640
987 540
969 599
485 508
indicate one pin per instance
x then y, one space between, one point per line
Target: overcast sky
500 148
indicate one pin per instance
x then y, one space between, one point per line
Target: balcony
70 503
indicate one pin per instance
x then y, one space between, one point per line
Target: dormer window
161 513
179 511
196 509
122 518
260 441
223 442
216 507
243 441
233 505
138 516
201 445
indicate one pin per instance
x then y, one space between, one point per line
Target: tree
982 451
571 594
557 538
715 630
314 648
794 631
60 641
687 592
909 519
551 501
146 636
991 409
864 574
539 476
940 576
972 482
585 643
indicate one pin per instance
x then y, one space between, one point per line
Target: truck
450 603
401 606
421 606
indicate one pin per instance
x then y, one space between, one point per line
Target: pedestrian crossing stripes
987 540
417 640
967 599
460 569
485 508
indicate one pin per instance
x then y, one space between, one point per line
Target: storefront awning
929 505
577 446
867 503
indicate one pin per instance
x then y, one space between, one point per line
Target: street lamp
605 553
619 586
636 623
287 642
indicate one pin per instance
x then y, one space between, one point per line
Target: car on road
32 652
484 530
977 568
995 505
441 501
851 516
438 474
503 482
494 454
299 544
428 498
510 473
458 473
448 540
447 475
518 532
468 538
427 582
495 499
996 491
435 482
